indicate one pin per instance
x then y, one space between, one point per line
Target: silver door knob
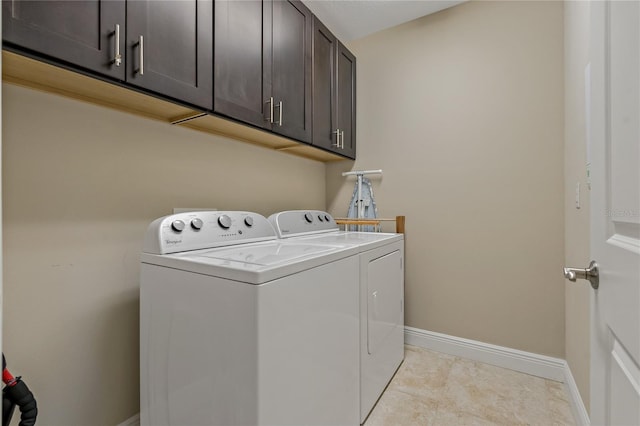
591 274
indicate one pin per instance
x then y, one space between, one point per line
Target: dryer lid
363 240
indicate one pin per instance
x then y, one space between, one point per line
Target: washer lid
267 255
254 263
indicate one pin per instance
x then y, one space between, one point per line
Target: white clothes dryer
381 280
239 328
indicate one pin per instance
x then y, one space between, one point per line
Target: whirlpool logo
170 242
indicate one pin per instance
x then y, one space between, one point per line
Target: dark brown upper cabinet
262 65
161 46
346 100
334 93
290 69
237 62
169 48
87 34
325 127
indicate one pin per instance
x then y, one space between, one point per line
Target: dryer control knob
320 218
196 224
224 221
248 221
177 225
308 217
327 218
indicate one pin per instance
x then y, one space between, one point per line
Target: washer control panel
300 222
206 229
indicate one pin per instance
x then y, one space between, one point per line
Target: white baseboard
525 362
132 421
577 406
500 356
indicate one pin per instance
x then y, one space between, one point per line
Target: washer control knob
177 225
248 221
308 217
224 221
196 224
320 218
327 218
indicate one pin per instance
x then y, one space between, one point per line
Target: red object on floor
8 378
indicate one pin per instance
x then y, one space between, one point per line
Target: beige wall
80 185
463 110
577 345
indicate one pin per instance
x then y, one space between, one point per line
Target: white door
615 212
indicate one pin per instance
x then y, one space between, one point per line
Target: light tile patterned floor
431 388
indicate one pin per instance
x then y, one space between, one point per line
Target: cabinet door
237 63
324 100
291 68
346 79
81 33
169 48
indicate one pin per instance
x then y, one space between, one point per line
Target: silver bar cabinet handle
118 57
342 137
270 102
591 273
337 133
141 43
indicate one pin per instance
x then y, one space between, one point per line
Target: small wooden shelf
27 72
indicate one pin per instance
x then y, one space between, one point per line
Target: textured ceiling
353 19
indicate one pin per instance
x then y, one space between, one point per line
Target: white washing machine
239 328
381 281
